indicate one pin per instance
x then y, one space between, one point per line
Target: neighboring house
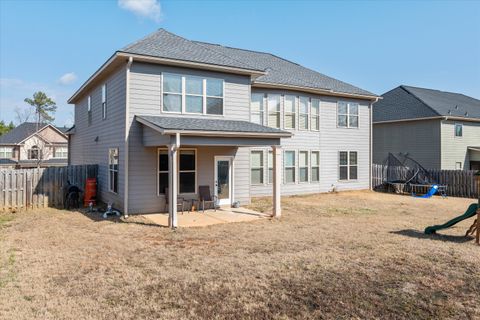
232 112
30 145
440 130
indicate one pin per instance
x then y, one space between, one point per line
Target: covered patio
222 163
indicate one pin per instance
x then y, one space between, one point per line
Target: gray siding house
441 130
170 114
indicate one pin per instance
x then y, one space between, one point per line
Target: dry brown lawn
347 255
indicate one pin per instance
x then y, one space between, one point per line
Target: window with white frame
290 111
60 152
347 114
289 166
113 169
191 94
273 105
257 108
162 170
270 167
315 115
348 165
89 110
304 113
6 152
458 130
104 101
315 164
34 153
187 170
256 167
303 166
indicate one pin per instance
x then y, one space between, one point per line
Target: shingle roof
407 102
201 124
23 131
278 71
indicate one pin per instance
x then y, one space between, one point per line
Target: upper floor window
458 130
104 101
315 115
60 152
256 108
256 167
191 94
34 153
6 152
348 165
89 110
304 113
290 111
347 114
273 104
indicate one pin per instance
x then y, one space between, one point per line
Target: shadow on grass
439 237
132 219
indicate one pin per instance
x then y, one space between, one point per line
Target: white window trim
295 180
261 112
184 94
55 152
3 152
279 112
89 110
348 115
300 167
300 114
178 170
269 163
104 101
348 165
262 167
317 116
110 186
314 166
295 113
455 130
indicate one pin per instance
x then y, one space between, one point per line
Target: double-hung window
289 166
315 164
113 170
193 95
290 112
172 93
34 153
162 171
104 101
6 152
458 130
304 113
256 167
273 104
303 166
270 167
347 114
315 115
60 152
187 171
256 108
348 165
214 96
89 110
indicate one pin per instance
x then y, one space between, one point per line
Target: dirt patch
345 255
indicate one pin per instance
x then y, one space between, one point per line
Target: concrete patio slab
210 217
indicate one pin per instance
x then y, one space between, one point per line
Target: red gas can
90 192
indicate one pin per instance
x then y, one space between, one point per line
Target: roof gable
25 130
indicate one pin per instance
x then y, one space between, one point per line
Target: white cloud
67 78
144 8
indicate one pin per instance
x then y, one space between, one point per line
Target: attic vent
456 107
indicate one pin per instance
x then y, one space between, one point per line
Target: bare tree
23 114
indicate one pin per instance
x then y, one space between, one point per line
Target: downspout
127 129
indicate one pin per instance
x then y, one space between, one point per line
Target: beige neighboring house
30 145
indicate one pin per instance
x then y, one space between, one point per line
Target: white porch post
173 182
277 178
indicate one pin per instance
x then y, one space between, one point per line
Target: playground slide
471 211
429 194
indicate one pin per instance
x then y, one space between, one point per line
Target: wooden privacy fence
40 187
460 183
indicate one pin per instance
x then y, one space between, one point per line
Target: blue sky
55 46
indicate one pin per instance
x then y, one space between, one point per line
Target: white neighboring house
30 145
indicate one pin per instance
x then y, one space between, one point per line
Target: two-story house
167 113
31 145
440 130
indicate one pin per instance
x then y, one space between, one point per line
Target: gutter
432 118
127 129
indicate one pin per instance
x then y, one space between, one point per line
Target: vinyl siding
455 149
110 132
420 139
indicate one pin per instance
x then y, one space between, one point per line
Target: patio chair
180 202
205 195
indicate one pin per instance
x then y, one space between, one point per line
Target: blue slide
429 194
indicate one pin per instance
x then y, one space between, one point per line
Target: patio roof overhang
474 148
161 130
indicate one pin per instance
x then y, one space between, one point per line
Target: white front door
223 180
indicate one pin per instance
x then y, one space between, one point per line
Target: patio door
223 180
